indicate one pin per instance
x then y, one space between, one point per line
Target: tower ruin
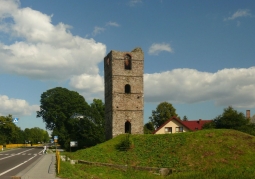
124 101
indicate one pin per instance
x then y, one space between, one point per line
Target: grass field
200 154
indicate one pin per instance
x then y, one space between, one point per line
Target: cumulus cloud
156 48
226 87
43 50
88 83
239 13
17 107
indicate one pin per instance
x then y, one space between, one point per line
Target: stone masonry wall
121 107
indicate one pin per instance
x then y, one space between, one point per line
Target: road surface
15 160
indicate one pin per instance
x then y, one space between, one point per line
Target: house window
127 62
168 130
127 88
179 129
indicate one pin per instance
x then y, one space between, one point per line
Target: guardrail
10 146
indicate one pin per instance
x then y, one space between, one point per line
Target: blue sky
199 55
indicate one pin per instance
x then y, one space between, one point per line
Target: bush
125 144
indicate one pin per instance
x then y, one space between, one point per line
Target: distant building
175 125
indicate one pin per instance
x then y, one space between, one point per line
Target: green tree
163 112
57 107
9 132
230 119
92 126
148 128
252 119
185 118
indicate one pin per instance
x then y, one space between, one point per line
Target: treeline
11 134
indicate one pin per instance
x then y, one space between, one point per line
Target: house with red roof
175 125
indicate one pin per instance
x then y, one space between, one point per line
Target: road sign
55 138
15 120
73 144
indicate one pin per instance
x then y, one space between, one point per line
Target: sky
198 55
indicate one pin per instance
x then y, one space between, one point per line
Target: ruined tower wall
124 104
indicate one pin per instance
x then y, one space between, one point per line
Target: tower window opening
127 62
127 88
128 127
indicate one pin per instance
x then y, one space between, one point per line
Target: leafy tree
57 107
148 128
249 128
9 132
163 112
92 127
230 119
209 125
252 119
185 118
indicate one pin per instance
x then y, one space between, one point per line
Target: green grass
201 154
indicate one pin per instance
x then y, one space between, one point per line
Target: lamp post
2 123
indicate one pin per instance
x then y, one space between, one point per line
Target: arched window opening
127 88
128 127
127 62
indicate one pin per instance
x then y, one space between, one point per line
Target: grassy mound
192 151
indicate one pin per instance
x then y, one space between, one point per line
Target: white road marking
14 154
16 166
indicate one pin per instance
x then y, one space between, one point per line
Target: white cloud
16 107
155 48
43 50
115 24
134 2
226 87
97 30
90 86
88 83
239 13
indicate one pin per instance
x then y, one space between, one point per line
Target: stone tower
123 80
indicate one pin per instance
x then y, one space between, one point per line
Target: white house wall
172 124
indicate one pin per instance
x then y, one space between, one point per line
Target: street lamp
2 123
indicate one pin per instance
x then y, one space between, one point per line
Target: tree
185 118
9 132
92 127
252 119
230 119
148 128
163 112
57 107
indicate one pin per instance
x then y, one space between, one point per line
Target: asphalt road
16 160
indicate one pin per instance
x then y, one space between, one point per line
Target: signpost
73 144
56 140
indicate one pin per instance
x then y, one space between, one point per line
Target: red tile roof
191 125
195 125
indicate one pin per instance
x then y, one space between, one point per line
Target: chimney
199 121
248 114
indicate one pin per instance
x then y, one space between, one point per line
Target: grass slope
206 150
